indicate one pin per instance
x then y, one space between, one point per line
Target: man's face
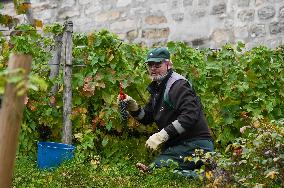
157 70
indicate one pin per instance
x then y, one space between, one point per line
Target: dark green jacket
183 119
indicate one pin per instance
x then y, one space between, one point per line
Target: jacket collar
155 87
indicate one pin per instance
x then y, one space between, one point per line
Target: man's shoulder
181 84
177 80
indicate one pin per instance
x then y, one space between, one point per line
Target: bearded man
176 110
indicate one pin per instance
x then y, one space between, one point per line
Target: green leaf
94 60
229 120
109 126
77 100
105 141
78 79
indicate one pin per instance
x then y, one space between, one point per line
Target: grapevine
123 105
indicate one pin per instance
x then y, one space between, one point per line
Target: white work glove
131 103
157 139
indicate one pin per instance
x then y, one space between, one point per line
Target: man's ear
169 64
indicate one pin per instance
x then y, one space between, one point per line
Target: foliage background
241 90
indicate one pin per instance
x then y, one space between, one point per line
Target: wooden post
67 92
11 117
29 13
55 64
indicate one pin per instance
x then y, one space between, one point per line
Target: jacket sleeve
187 104
144 115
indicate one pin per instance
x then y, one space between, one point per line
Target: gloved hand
157 139
131 103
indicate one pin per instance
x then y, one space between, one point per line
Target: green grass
116 169
76 174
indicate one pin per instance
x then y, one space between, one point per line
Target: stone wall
200 23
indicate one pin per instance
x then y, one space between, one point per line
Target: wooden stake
67 92
29 13
11 117
54 64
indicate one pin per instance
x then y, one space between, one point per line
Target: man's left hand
157 139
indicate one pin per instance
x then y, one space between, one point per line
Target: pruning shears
122 95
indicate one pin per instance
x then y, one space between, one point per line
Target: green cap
158 55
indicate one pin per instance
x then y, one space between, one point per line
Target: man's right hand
131 103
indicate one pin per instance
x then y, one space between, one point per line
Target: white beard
158 78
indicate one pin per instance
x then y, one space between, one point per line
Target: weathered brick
257 30
243 3
123 3
155 33
8 9
281 12
178 17
198 42
132 34
198 13
219 9
43 6
241 32
107 16
187 3
259 2
68 12
91 10
84 2
154 20
121 35
175 4
246 15
222 36
120 25
266 12
67 3
159 43
203 2
274 28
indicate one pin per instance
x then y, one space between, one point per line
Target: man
177 111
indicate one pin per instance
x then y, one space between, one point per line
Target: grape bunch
123 111
44 132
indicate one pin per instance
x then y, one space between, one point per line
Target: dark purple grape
123 111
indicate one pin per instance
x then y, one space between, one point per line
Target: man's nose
152 67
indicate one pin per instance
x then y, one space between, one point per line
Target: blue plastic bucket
52 154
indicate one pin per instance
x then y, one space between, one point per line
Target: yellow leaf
101 114
22 8
256 124
60 89
217 182
26 5
7 20
111 57
189 158
38 23
272 174
78 135
49 178
105 168
91 39
101 85
5 47
95 162
208 175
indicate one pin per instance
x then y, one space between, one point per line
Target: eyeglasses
154 65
